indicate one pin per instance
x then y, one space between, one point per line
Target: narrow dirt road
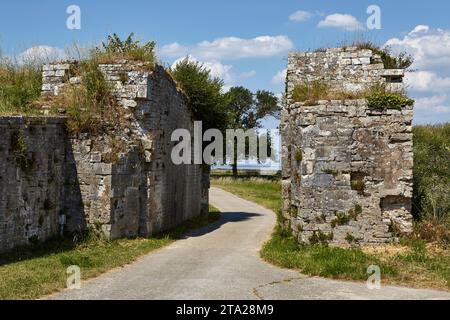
221 261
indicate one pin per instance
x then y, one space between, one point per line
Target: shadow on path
225 217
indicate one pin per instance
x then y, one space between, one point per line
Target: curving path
221 261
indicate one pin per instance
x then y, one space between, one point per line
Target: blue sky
246 42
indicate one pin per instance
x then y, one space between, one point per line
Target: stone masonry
347 169
122 183
32 152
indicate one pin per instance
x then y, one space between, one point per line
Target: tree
204 93
246 110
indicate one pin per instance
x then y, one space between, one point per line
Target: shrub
203 93
115 48
320 238
383 100
390 61
431 196
90 106
350 238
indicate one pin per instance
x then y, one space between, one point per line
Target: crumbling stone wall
347 69
121 182
143 192
32 152
347 169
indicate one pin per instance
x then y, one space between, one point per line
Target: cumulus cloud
41 53
427 81
280 77
431 82
216 68
300 16
434 104
232 48
430 47
341 21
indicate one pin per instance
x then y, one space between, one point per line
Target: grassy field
413 263
30 273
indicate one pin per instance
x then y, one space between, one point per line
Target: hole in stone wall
394 79
391 203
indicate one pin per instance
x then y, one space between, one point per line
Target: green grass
321 260
32 272
264 191
413 263
20 86
431 199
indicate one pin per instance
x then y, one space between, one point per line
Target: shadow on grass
195 227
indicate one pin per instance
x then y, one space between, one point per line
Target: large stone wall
121 182
347 169
143 192
32 152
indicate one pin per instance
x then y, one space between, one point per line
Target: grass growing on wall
129 49
90 106
30 273
413 263
377 96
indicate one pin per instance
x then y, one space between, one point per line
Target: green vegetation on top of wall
383 100
129 49
203 92
391 61
90 106
377 96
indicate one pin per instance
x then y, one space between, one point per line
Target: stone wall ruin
121 183
347 168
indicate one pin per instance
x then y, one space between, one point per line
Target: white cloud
427 81
430 47
216 68
41 53
248 74
232 48
300 16
430 84
341 21
280 77
173 50
433 104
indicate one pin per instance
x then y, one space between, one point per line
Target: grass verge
33 272
412 263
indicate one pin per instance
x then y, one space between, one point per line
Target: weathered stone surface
123 182
32 152
353 181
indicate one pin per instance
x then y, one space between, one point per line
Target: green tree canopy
204 93
245 109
